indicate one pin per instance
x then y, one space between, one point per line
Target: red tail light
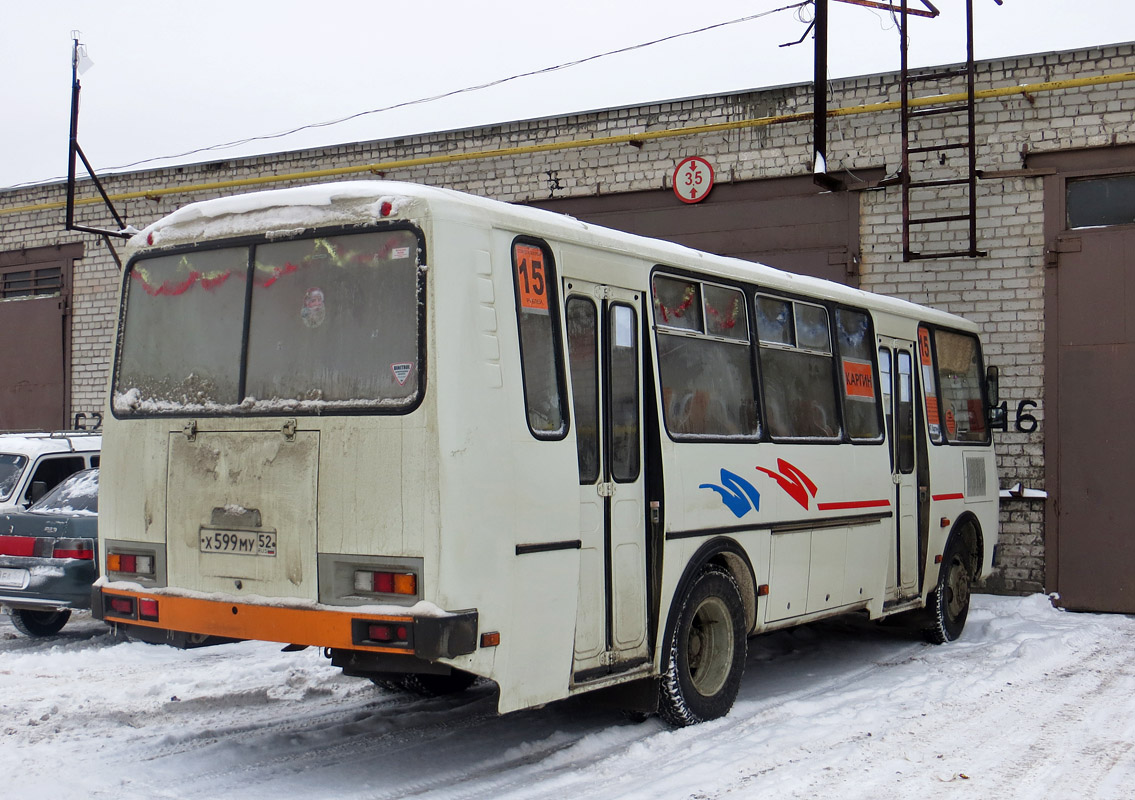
386 633
122 605
74 548
17 545
404 583
148 609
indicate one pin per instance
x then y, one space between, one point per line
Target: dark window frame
551 281
873 350
610 394
834 367
250 243
662 329
596 444
943 438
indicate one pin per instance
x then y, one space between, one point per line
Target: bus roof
282 212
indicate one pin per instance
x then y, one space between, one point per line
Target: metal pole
904 117
820 89
972 125
74 141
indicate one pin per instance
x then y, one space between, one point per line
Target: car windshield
11 467
79 494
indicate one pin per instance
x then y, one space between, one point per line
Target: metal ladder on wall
939 157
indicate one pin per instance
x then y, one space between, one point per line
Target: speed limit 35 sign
693 178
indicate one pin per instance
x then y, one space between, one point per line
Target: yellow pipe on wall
572 144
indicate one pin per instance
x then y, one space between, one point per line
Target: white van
33 463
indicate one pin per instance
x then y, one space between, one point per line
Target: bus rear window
335 320
333 323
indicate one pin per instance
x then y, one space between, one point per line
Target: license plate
13 578
240 543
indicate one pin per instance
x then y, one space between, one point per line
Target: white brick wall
1003 292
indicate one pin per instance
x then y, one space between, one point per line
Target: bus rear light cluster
382 582
130 563
393 633
143 608
148 609
121 606
388 633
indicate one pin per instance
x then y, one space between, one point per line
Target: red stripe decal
853 504
955 496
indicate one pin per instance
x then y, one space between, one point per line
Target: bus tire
706 659
948 604
40 623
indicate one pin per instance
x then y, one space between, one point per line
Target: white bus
445 437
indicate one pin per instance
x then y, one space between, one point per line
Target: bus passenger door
604 350
896 368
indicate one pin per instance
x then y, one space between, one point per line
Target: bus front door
604 349
896 366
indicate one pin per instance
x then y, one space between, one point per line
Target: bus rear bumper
187 620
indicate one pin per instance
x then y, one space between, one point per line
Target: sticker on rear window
402 372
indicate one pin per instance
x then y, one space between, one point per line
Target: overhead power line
454 92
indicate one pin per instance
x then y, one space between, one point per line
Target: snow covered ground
1030 703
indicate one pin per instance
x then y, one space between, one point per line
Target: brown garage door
1090 385
34 292
785 222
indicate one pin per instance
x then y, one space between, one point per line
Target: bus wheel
390 681
40 623
948 604
703 672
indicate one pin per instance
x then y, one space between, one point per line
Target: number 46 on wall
1023 421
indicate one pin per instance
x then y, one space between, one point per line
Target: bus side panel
501 488
767 488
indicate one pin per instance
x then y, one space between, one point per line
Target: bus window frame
944 439
662 329
595 440
873 349
551 278
250 243
834 367
609 383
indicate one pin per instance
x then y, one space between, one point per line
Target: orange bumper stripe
318 628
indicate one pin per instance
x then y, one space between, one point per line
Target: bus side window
796 369
583 359
960 382
904 411
623 391
886 381
704 360
860 400
538 324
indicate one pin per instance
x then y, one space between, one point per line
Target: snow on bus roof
280 212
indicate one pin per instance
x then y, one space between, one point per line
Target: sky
165 81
